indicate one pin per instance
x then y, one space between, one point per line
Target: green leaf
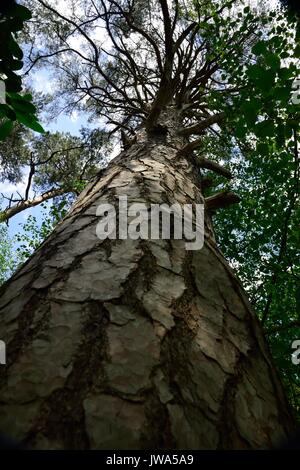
13 83
21 12
282 94
15 96
263 78
15 24
30 121
240 130
5 129
20 103
250 111
289 131
262 149
16 64
280 135
265 128
259 48
23 106
277 41
7 111
273 60
27 97
254 71
284 55
285 73
297 51
15 49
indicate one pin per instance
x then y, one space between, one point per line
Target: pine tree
133 344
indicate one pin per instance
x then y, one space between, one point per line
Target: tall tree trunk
132 344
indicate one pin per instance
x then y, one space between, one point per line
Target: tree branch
221 200
201 126
23 205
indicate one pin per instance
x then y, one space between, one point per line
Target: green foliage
66 161
15 106
57 161
14 251
8 262
33 233
260 236
257 62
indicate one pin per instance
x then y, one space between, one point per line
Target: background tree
16 249
260 235
57 164
7 264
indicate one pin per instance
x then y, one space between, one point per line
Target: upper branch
201 126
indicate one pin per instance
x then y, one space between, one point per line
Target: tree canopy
14 106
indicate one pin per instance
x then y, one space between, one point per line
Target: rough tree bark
132 344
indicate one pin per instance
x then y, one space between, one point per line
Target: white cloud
8 189
41 82
77 43
74 116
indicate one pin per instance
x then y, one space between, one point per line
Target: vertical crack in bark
61 416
